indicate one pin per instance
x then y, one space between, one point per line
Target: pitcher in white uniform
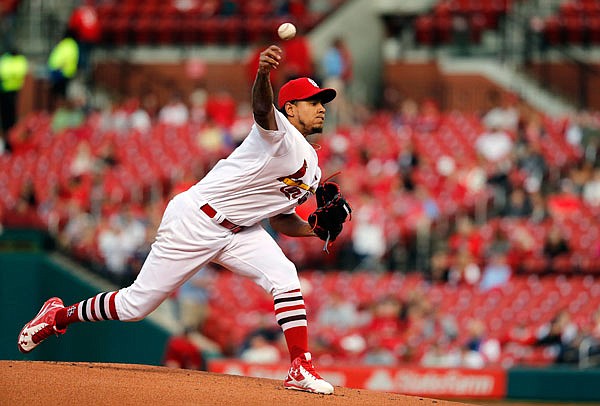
218 220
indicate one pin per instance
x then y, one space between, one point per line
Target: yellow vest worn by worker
13 69
64 57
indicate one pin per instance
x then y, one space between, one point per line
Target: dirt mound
79 383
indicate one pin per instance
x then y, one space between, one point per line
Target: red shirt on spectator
221 108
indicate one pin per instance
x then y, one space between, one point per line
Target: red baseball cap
304 89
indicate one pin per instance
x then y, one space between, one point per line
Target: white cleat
302 376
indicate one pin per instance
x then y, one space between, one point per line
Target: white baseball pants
188 239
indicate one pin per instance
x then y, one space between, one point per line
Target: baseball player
218 220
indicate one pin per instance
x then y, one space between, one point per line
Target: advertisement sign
441 383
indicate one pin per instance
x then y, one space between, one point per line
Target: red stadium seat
573 27
424 33
444 30
593 30
552 31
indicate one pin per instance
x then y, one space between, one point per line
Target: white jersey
270 173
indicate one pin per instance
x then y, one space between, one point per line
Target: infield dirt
79 383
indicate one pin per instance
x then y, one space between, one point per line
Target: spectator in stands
66 115
336 68
584 130
565 203
198 99
579 175
24 212
559 335
539 208
504 115
339 311
213 140
429 118
368 234
466 236
496 272
221 108
464 268
494 145
117 247
439 269
499 244
386 324
193 299
260 351
441 355
555 243
138 118
377 354
13 70
182 352
78 224
595 327
62 65
591 189
518 204
84 161
531 161
86 29
269 333
480 348
175 112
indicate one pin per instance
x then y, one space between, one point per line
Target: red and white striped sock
291 316
97 308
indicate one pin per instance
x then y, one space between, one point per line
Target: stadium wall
416 80
538 384
578 83
425 80
29 278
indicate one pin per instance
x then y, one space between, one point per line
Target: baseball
286 31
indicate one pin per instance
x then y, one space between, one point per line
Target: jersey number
291 192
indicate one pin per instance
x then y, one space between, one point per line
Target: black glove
331 213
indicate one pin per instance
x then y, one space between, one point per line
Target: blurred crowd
464 218
464 200
392 319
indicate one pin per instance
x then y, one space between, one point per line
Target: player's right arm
262 91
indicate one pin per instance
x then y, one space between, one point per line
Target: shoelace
42 334
309 367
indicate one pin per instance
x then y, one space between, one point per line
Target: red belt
210 212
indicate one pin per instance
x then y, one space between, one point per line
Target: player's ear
289 108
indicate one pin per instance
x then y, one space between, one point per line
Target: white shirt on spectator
494 145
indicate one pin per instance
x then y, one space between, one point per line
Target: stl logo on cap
312 82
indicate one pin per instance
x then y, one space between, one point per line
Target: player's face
309 116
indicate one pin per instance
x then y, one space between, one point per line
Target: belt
210 212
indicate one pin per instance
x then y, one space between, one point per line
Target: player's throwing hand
269 59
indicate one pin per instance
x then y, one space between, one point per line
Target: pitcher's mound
78 383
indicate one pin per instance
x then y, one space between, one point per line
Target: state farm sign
442 382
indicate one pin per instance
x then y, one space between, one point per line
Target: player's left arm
291 225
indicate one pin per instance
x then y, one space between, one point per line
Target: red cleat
41 327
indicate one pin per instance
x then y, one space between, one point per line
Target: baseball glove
331 213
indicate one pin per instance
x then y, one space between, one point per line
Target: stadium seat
424 30
552 31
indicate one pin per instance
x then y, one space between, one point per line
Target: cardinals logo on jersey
293 184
